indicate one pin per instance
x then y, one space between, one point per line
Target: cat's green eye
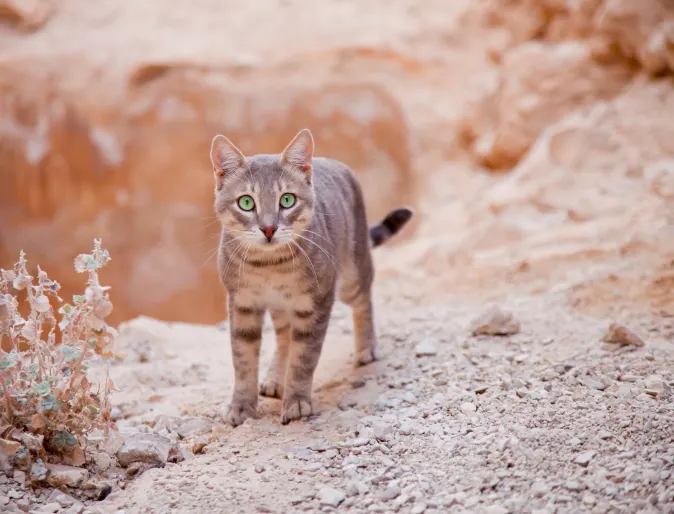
288 200
246 203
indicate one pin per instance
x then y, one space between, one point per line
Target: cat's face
265 200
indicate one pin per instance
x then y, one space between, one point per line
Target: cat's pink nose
268 231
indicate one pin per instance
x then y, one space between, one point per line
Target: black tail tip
390 225
397 218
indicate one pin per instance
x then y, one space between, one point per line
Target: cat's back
335 180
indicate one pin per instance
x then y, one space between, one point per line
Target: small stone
495 509
15 495
70 476
63 499
20 477
407 428
480 389
391 493
593 382
494 322
469 409
102 461
419 508
620 335
194 427
410 398
320 445
604 434
147 448
584 458
522 393
382 431
589 499
356 488
180 452
331 497
358 383
425 348
4 500
658 384
359 441
115 414
539 489
518 383
50 508
260 467
574 485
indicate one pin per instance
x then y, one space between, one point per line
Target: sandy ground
546 420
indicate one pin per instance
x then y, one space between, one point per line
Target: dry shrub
47 400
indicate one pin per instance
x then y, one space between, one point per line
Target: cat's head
264 199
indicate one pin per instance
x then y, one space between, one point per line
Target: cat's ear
299 153
226 159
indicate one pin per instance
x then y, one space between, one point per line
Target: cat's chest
274 292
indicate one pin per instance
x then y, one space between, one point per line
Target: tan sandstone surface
533 139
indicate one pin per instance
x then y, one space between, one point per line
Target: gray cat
294 232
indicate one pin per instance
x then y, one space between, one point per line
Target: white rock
70 476
427 347
50 508
331 497
494 322
148 448
469 409
382 431
584 458
356 488
391 493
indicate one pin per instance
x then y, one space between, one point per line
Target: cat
294 235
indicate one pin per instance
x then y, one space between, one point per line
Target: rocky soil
526 320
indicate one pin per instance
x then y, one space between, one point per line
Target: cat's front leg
246 338
309 322
272 385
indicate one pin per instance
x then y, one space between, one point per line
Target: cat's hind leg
356 291
272 385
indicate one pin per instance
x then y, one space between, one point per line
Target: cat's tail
389 226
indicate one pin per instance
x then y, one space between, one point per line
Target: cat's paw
238 411
271 389
367 356
296 407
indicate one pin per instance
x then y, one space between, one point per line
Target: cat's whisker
292 252
220 247
317 234
308 260
243 261
332 261
231 258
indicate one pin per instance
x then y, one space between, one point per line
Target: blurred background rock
526 133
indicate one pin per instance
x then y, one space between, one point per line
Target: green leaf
63 441
78 299
69 353
51 404
42 388
7 363
65 309
32 371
